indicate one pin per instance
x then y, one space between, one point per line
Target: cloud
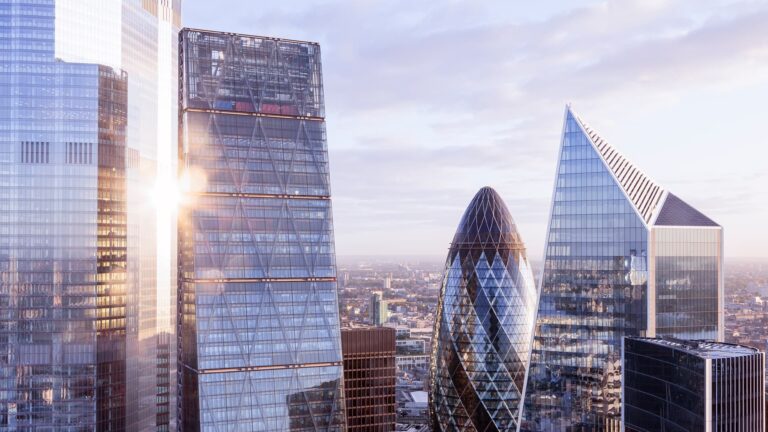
428 101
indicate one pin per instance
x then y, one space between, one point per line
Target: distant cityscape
410 287
746 302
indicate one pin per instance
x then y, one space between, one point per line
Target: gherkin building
484 323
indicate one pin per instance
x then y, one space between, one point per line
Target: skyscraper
85 265
258 311
483 324
369 378
379 309
676 385
624 257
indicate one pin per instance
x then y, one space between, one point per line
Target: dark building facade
623 257
258 324
484 323
369 378
680 386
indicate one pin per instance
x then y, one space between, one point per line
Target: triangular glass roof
677 212
643 193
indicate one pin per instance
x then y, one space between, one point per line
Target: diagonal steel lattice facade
484 323
259 337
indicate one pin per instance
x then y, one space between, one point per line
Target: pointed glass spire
642 192
609 273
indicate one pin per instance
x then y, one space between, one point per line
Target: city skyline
176 190
476 90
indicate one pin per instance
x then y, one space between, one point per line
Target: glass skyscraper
483 323
674 385
623 257
379 309
258 311
86 91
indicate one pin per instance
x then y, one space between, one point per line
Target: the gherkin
484 323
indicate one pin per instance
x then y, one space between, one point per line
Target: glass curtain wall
593 293
677 385
686 264
258 322
82 282
623 257
484 322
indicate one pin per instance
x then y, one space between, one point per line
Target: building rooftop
702 348
420 396
676 212
646 196
641 191
486 223
279 39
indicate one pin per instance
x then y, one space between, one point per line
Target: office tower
677 385
623 257
369 378
88 123
483 323
258 312
379 309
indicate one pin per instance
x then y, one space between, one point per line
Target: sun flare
172 193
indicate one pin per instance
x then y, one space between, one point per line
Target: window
35 152
79 153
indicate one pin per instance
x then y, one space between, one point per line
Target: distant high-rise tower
484 322
623 258
379 309
676 385
87 259
258 331
369 378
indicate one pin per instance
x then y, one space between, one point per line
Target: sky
427 101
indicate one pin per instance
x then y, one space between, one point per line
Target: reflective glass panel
593 293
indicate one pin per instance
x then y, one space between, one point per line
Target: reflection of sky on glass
77 21
152 117
428 101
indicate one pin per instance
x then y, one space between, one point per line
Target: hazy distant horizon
533 259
